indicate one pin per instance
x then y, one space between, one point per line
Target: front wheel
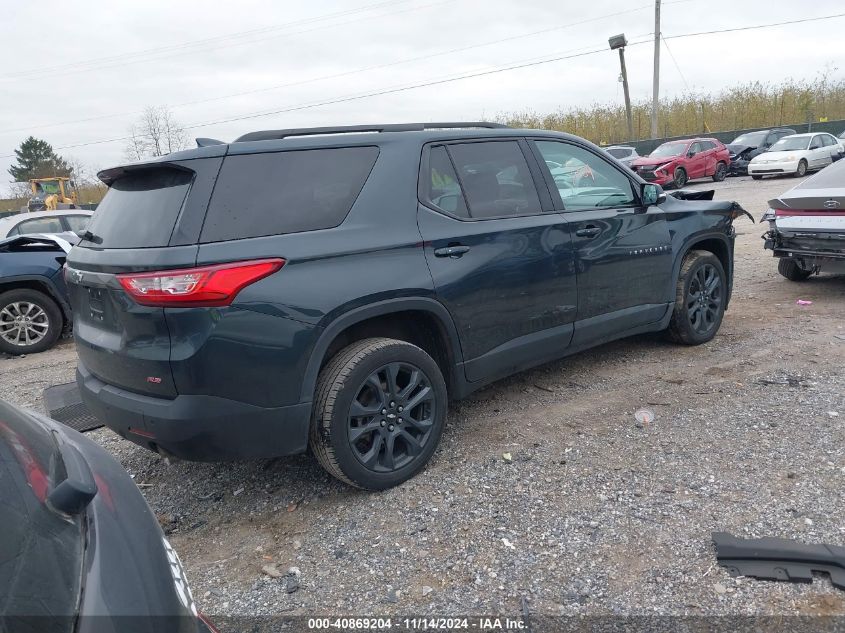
756 177
379 411
700 297
802 169
680 178
30 322
721 172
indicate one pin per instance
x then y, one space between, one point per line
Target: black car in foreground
807 225
80 549
338 286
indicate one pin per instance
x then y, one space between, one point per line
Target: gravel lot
594 514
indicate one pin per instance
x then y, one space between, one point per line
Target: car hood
735 148
778 156
643 161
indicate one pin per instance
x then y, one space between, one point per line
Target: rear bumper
194 427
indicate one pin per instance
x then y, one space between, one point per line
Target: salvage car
60 221
748 145
675 163
623 153
795 155
34 307
807 226
337 287
80 549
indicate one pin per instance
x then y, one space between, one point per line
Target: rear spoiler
108 176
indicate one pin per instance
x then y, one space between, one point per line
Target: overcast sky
64 62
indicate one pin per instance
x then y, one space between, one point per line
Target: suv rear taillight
204 286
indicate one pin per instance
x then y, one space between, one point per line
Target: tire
790 269
696 318
680 178
721 172
802 169
44 326
756 177
359 375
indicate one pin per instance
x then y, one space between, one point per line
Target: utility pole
655 95
619 42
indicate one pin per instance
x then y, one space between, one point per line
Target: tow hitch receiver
779 559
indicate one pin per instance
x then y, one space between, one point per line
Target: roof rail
267 135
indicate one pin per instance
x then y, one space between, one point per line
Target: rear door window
77 222
495 178
443 190
286 192
140 209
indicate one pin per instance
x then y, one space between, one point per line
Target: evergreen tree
36 159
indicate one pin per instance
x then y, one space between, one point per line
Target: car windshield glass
752 139
791 143
669 149
618 152
40 551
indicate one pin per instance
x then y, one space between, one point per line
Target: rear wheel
30 322
700 296
792 270
721 172
756 177
379 411
680 178
802 169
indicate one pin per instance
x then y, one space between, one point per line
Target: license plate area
96 304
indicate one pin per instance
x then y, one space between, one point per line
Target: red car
675 163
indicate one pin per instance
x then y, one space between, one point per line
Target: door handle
588 231
451 251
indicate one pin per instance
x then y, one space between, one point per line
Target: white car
797 154
61 221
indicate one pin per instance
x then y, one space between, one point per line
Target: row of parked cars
779 151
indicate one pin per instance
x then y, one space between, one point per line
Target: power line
435 82
756 26
674 61
201 42
342 74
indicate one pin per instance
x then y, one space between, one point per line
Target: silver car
60 221
807 225
623 153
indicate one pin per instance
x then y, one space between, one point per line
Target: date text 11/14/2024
417 624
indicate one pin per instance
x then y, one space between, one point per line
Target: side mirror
690 154
651 194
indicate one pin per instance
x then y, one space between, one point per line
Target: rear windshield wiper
88 236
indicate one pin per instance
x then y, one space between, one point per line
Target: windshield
619 152
791 143
40 552
669 149
47 187
752 139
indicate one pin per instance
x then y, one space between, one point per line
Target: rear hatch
149 220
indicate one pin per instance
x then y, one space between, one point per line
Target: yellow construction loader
49 194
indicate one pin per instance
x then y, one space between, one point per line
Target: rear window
619 152
286 192
140 209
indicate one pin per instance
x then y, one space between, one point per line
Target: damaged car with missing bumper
337 287
807 226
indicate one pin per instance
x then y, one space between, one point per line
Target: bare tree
155 133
